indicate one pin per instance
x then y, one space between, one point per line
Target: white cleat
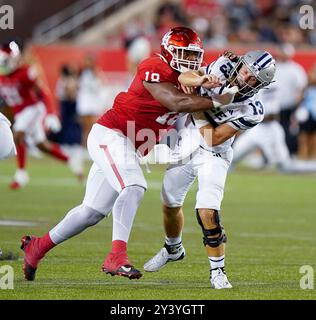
162 258
219 280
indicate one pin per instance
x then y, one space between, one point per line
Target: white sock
124 211
217 262
173 241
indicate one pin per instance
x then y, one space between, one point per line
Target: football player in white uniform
210 162
7 146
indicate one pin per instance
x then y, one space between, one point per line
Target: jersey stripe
246 123
236 124
222 88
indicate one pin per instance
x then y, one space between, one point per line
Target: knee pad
218 230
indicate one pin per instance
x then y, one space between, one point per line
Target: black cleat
124 271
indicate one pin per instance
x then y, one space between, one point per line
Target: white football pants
115 164
210 168
30 121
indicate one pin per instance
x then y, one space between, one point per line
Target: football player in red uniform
20 90
131 127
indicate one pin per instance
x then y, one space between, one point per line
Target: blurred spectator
66 92
306 115
241 13
70 135
137 51
202 8
89 99
291 80
137 28
169 15
217 34
220 22
286 33
266 30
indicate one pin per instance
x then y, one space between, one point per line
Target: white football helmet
262 66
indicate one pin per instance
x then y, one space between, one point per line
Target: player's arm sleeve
246 122
253 114
47 100
31 76
32 79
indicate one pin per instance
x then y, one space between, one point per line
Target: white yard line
276 235
17 223
65 182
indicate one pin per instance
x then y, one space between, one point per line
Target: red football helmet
182 48
10 55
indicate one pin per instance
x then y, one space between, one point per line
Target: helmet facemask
180 58
246 89
253 71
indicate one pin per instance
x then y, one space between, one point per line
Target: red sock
45 243
21 155
119 246
57 153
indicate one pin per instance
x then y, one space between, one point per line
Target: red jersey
136 113
16 89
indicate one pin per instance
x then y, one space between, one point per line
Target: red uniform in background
17 89
32 108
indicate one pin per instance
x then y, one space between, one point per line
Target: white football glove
226 97
52 123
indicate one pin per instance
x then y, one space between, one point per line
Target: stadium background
269 217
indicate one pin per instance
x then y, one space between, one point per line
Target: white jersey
242 114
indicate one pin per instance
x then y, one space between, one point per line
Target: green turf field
270 220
